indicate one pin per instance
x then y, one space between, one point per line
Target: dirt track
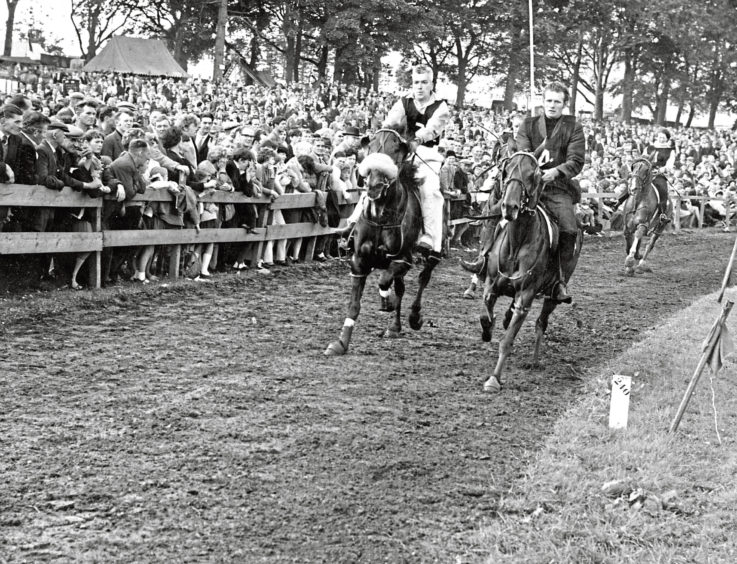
202 423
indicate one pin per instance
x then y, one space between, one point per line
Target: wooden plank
95 259
294 201
24 195
27 243
175 256
217 196
178 237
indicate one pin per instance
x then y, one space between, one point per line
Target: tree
9 23
96 21
187 26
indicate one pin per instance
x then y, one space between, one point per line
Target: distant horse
648 210
385 235
522 262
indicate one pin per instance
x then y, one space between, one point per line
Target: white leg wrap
349 322
384 293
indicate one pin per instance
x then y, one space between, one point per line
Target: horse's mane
408 179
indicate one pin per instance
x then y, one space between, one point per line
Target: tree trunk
298 50
461 83
663 101
681 104
377 72
178 43
322 63
691 114
289 65
219 58
513 67
628 85
9 23
598 81
93 22
575 78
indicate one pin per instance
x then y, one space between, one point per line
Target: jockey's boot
566 261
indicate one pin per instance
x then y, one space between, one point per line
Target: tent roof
135 55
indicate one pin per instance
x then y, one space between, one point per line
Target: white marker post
620 404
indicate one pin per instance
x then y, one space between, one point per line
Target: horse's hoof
629 262
391 334
640 268
629 271
486 327
469 295
492 385
336 348
416 321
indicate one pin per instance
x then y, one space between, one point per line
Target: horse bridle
505 183
642 181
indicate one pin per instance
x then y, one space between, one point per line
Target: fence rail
21 195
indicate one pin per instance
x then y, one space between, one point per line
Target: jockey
562 159
424 118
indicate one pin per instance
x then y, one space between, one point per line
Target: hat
159 172
229 125
126 106
352 131
58 124
77 95
247 131
74 132
450 153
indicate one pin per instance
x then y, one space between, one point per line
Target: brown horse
522 262
385 235
648 210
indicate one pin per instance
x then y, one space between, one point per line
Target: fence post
702 207
95 259
677 214
264 220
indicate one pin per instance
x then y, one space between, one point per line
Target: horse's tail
474 267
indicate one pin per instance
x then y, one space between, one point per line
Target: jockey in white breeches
424 117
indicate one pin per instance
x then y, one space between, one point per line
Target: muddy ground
202 423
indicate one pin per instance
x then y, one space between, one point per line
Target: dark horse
522 262
385 235
647 210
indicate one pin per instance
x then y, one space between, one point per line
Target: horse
385 236
647 210
522 261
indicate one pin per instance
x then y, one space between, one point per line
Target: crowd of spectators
119 135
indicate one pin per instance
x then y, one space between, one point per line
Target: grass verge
640 494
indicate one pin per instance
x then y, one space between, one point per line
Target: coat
566 149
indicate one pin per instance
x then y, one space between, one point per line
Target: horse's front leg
629 262
541 326
415 315
657 232
486 319
395 273
358 276
522 304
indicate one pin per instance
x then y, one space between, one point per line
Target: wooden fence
20 195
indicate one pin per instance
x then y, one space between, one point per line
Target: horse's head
380 173
521 185
640 175
389 142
